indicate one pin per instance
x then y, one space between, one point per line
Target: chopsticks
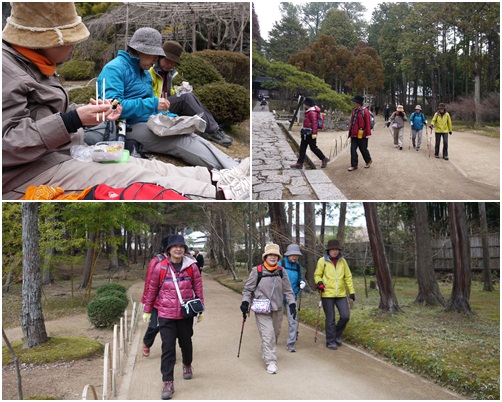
103 97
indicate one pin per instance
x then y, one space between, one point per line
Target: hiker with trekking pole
396 121
263 293
333 276
441 122
294 271
417 121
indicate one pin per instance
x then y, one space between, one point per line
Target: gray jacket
34 137
265 287
399 119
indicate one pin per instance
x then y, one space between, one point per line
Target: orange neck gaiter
269 267
45 66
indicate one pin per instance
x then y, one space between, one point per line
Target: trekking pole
244 316
299 308
318 317
409 144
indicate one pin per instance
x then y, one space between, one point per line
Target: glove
199 318
450 133
292 310
387 124
302 285
314 136
352 297
146 317
431 127
245 307
320 286
425 123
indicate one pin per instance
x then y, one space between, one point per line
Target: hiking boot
331 346
219 137
324 163
291 348
272 368
168 390
400 148
436 156
235 182
445 158
368 165
187 372
146 350
297 166
338 341
352 168
418 149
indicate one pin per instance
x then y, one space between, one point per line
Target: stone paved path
273 179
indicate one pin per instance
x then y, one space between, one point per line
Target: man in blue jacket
294 271
128 80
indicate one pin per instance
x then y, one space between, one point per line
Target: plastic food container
107 151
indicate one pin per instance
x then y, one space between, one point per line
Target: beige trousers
269 327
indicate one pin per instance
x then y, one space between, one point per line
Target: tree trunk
459 301
89 260
310 243
32 318
429 293
487 273
341 222
297 223
323 223
279 225
113 266
388 300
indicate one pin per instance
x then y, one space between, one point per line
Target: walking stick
318 317
244 316
409 144
299 308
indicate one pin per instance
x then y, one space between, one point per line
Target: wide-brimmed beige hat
44 25
400 108
271 249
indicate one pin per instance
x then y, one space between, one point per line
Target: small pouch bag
305 131
261 306
192 308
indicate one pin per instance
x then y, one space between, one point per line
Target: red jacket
151 265
310 119
163 295
357 121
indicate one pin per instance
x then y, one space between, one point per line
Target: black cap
309 102
358 99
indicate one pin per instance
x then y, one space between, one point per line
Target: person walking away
294 270
178 268
417 121
308 134
40 125
441 122
359 131
183 104
332 276
386 113
397 120
199 258
153 325
267 281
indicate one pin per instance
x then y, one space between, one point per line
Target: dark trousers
438 143
362 144
152 330
335 330
308 141
189 105
170 330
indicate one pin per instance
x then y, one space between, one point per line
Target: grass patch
456 351
488 130
62 349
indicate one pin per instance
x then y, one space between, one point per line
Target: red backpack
134 191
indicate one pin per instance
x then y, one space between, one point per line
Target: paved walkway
313 372
472 173
273 179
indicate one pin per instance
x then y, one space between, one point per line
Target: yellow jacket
157 83
335 279
442 124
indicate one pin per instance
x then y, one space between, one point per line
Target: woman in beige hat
268 284
333 276
396 121
40 126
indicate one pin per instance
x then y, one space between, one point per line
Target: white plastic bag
164 126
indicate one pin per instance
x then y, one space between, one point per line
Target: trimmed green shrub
82 95
196 71
110 286
76 70
228 103
106 310
234 67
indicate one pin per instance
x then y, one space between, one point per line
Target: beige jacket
34 137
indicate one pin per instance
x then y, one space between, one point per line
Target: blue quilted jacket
132 86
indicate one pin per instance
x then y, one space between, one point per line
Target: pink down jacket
164 297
